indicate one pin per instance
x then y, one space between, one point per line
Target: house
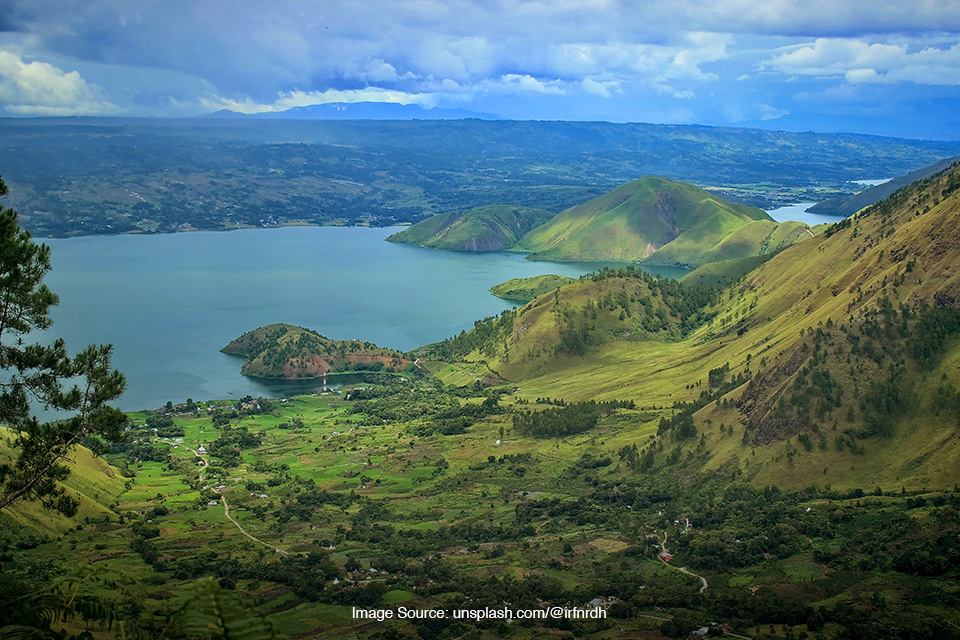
603 602
665 556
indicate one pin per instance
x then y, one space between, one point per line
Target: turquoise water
168 303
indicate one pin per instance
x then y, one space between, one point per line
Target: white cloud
768 112
640 63
41 89
459 59
701 48
513 83
599 55
860 62
602 88
861 76
307 98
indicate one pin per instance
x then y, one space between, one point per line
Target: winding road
663 547
223 499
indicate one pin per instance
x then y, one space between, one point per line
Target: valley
789 439
526 320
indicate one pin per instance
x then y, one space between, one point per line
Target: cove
168 303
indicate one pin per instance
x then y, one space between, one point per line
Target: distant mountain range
845 206
359 111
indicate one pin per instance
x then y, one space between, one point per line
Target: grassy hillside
526 289
551 332
634 221
723 272
291 352
494 227
831 333
91 479
761 237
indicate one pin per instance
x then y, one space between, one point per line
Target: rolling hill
293 353
659 222
494 227
91 479
834 361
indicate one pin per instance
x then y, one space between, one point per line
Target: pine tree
42 374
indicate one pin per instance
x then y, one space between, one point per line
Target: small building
666 557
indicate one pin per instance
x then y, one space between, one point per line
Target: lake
799 213
168 303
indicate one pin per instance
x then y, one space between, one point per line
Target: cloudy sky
881 66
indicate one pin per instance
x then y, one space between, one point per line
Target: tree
45 375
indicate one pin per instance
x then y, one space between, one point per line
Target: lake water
168 303
799 213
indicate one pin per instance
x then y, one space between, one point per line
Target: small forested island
287 352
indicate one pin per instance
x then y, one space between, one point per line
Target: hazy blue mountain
848 205
360 111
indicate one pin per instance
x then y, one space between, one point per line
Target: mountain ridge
845 206
654 220
358 111
818 352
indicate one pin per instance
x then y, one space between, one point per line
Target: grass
91 480
526 289
631 222
487 228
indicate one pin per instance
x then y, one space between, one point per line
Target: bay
798 212
168 303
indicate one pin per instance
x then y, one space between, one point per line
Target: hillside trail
226 507
663 547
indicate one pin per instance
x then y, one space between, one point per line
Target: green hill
637 220
723 272
841 351
494 227
294 353
556 329
757 238
790 439
526 289
91 479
